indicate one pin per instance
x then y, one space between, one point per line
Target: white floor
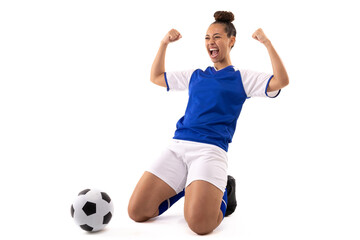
171 225
262 215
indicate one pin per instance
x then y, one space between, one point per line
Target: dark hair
225 18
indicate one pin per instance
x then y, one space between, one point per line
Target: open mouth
214 52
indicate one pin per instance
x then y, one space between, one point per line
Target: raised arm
158 66
280 78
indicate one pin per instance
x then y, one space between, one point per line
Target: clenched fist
172 36
260 36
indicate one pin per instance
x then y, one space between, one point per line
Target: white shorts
183 162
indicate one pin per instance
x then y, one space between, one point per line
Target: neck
223 64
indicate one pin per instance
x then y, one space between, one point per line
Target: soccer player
194 163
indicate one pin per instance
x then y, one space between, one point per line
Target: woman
195 162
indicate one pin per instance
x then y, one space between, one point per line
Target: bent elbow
158 80
153 79
286 82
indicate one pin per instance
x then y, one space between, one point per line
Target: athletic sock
165 205
224 203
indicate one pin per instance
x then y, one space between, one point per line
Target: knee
138 213
200 223
134 214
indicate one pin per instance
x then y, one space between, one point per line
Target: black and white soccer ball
92 210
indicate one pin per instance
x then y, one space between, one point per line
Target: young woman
195 162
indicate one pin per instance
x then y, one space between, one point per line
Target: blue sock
224 203
165 205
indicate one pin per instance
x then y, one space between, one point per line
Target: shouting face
218 45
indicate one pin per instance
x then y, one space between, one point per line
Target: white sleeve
256 84
178 80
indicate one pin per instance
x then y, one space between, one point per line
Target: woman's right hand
172 36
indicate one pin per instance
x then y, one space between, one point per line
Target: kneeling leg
203 207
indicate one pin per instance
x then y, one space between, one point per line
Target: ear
232 41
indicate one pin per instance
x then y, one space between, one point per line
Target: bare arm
158 66
280 79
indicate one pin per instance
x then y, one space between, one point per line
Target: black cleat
230 186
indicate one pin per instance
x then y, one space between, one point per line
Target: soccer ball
92 210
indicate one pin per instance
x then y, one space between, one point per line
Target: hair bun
224 16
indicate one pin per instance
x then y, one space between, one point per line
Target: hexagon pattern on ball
92 210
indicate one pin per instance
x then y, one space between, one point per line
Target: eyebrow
213 35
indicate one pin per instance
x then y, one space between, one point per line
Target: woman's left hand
260 36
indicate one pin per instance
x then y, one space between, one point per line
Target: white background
77 110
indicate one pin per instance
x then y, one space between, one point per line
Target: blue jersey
215 101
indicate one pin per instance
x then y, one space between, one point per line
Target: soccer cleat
231 205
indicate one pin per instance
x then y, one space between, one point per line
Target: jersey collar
230 67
